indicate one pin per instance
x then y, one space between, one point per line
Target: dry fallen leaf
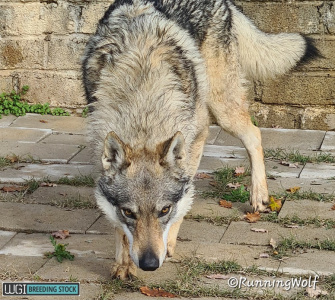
273 243
217 276
12 158
275 204
239 171
203 176
61 234
156 292
213 183
252 217
234 185
293 189
13 188
43 121
259 230
313 293
333 207
225 203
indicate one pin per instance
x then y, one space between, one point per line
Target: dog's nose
149 261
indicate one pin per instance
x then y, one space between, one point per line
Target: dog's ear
173 150
116 153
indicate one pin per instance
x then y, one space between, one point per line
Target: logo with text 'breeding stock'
40 289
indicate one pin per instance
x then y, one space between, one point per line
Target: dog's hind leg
227 102
123 267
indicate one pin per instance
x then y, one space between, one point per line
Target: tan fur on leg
172 238
123 266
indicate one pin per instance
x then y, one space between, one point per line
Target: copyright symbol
232 282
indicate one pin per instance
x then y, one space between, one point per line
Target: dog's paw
123 272
259 198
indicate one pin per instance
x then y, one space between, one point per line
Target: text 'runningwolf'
152 72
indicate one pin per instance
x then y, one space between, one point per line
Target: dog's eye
128 213
164 211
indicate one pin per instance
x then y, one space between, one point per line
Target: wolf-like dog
153 72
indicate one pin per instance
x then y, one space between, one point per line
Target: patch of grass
83 180
291 244
13 103
4 162
295 220
75 203
306 195
60 251
296 157
32 185
217 220
222 178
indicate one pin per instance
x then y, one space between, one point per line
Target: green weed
13 103
60 251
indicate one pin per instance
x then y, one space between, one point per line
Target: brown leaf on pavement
314 293
333 207
13 188
225 203
293 189
252 217
156 292
239 171
43 121
61 234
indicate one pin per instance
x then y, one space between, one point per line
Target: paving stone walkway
57 147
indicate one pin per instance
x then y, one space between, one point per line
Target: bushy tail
265 55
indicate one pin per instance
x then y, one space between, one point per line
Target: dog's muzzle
149 261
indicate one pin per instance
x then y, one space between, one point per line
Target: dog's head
145 192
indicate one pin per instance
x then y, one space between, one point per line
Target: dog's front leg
123 267
172 237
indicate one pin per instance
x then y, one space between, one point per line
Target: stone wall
41 42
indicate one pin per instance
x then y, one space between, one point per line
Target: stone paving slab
322 170
210 208
5 121
307 209
85 156
214 131
231 152
76 125
41 171
167 272
226 139
241 233
44 218
101 226
61 193
22 267
200 232
22 134
328 142
275 169
65 139
210 164
5 237
312 262
280 184
40 152
292 138
80 269
81 245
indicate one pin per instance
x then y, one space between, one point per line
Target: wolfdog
153 72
